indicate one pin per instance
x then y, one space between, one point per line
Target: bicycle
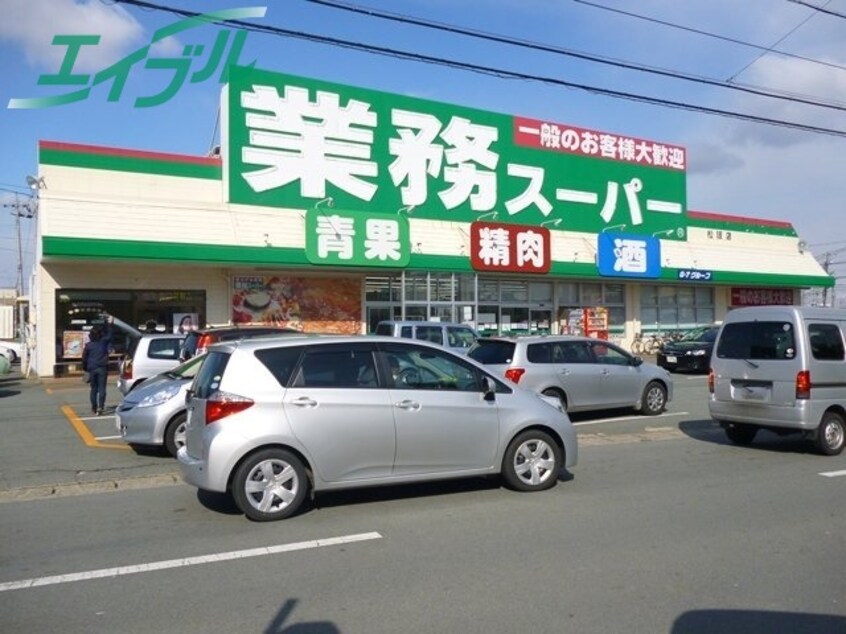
637 345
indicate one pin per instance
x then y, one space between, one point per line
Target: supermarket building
329 208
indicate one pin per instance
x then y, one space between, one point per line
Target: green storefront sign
354 238
293 142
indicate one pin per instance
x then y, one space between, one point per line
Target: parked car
197 341
270 420
154 413
10 349
691 353
148 355
583 373
781 368
456 337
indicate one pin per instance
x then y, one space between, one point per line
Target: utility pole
20 210
826 266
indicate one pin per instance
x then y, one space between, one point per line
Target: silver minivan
781 368
271 420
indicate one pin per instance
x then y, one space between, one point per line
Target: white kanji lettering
494 245
608 146
469 148
381 239
630 255
530 249
335 235
316 142
643 152
660 155
417 154
532 194
627 149
550 136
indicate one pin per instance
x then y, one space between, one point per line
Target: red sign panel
761 296
506 247
573 140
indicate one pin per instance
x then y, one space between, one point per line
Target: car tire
556 393
531 462
174 435
269 485
654 399
741 434
830 434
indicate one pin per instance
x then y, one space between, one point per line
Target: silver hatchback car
154 412
583 373
272 419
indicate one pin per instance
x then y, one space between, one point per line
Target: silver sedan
154 412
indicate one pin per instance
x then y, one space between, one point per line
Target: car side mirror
490 389
189 396
637 361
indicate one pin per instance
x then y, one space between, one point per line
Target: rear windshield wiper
754 365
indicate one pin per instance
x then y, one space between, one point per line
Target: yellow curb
85 433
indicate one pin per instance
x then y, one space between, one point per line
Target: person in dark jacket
95 361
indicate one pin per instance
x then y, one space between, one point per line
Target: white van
457 337
781 368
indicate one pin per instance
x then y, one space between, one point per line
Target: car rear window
757 340
492 352
280 361
539 353
207 381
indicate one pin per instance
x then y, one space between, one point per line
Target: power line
712 35
776 43
815 7
498 72
547 48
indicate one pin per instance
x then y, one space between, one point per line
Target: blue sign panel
628 255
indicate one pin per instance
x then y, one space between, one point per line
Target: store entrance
540 321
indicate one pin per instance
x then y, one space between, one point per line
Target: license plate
672 359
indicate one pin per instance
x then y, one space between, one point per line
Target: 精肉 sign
292 142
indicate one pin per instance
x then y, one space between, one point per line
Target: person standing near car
95 361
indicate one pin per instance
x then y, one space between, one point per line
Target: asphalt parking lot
52 446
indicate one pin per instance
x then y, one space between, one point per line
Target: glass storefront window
415 287
466 287
439 312
568 294
514 291
591 295
514 321
540 292
488 291
614 294
487 320
679 307
441 287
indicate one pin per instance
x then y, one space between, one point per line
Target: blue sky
734 167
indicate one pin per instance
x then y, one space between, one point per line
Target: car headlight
162 396
699 353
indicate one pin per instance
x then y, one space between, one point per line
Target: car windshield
187 370
708 333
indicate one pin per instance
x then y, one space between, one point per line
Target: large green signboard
293 142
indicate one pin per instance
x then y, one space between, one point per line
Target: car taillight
711 380
514 374
204 342
803 385
126 369
223 404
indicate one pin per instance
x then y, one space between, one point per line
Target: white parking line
103 417
621 418
833 474
188 561
108 437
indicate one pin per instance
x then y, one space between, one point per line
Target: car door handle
605 372
304 401
408 404
565 371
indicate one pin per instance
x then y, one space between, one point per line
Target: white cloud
33 23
